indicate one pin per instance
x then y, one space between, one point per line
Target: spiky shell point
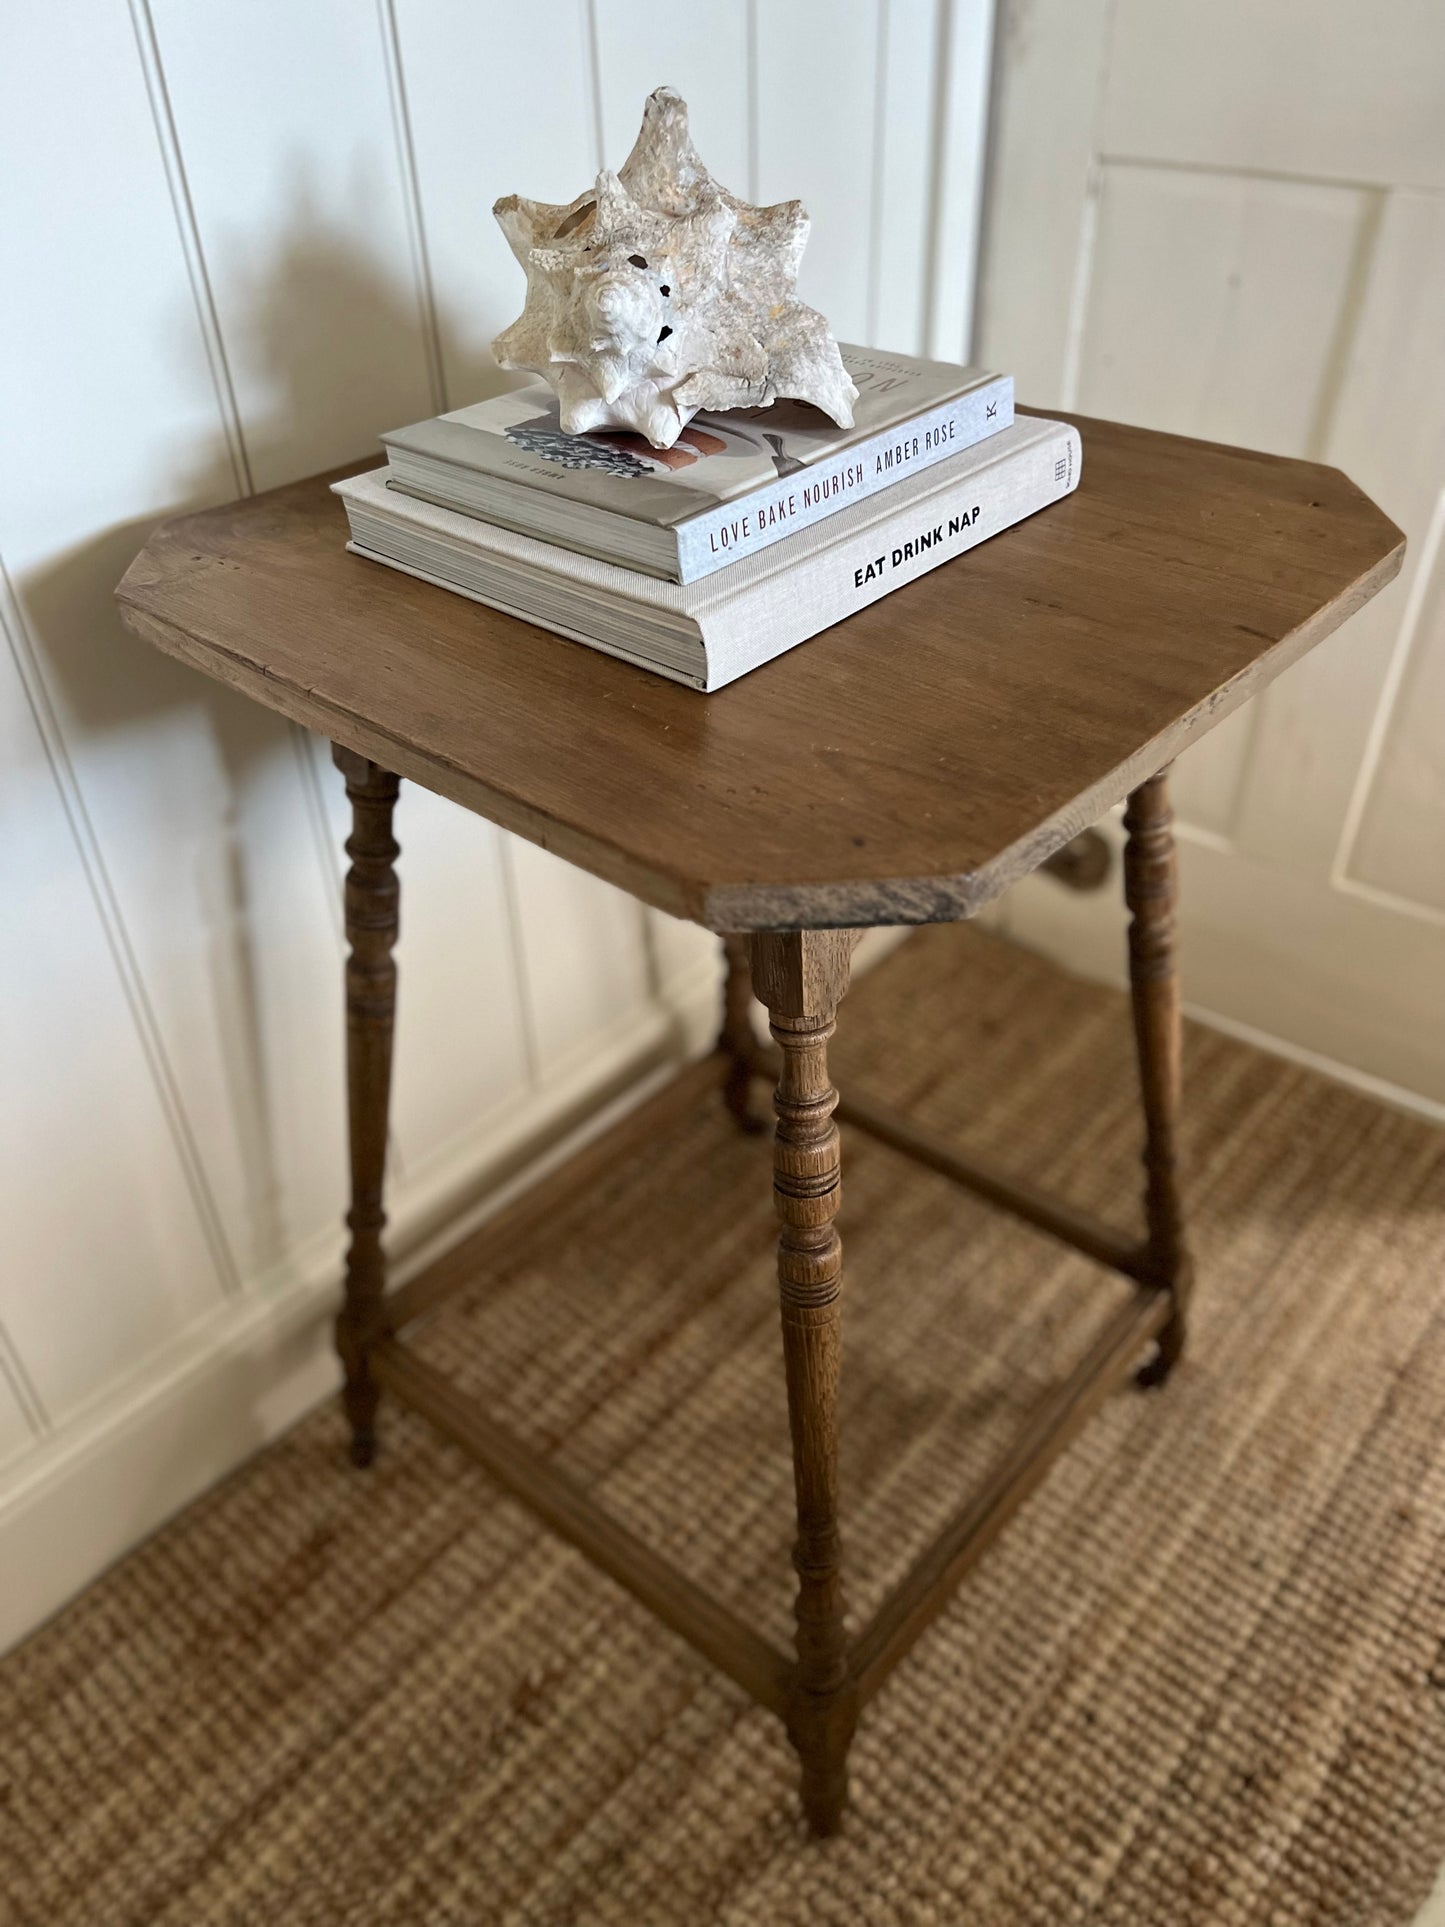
656 293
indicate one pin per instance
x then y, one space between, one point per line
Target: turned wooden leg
372 902
800 976
1150 889
736 1043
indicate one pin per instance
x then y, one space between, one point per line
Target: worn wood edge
954 898
921 1595
801 973
678 896
497 1238
1071 1226
713 1629
744 906
1262 457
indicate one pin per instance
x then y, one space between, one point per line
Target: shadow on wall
185 782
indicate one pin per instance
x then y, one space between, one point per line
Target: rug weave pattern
1200 1680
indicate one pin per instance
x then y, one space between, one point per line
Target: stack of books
758 529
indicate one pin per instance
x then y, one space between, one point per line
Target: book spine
757 625
725 534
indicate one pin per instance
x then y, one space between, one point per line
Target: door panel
1196 279
1323 88
1399 847
1229 221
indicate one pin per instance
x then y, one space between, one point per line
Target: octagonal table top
904 766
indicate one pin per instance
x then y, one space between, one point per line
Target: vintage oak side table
903 768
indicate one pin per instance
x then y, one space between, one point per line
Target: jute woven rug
1200 1680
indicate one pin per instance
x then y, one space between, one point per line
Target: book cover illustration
716 459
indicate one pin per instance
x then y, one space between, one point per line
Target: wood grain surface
373 923
904 767
1151 890
801 977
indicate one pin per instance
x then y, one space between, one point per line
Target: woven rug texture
1200 1679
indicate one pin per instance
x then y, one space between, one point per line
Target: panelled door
1228 220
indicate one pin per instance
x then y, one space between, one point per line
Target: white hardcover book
709 633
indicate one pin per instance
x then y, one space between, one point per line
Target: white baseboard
1311 974
238 1378
1415 1103
1075 935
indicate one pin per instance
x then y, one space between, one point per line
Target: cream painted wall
237 242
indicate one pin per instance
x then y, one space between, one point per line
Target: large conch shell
657 293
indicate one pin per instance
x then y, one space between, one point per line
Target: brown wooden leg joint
1151 892
736 1044
820 1727
801 976
373 900
360 1393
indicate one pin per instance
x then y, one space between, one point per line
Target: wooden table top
903 767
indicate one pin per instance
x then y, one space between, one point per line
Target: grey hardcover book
707 633
731 484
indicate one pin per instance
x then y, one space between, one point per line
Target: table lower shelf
713 1629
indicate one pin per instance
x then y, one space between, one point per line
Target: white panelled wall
237 242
